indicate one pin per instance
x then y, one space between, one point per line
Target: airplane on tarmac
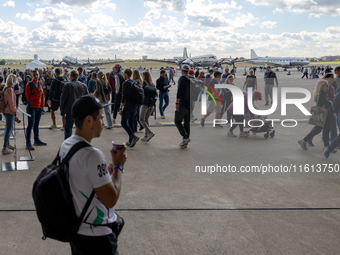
70 61
277 62
209 60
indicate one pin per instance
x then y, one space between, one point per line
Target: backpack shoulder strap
73 150
69 155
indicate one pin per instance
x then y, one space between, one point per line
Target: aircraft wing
163 61
102 63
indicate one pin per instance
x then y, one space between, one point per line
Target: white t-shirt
87 170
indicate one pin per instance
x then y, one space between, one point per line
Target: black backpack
137 94
58 92
192 90
53 199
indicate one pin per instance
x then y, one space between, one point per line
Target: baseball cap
217 73
117 65
85 105
257 94
185 68
191 72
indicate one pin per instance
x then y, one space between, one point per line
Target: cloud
93 5
100 19
313 7
268 24
171 5
152 14
9 3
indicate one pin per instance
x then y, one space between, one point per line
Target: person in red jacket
36 102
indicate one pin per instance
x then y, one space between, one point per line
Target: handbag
318 117
117 226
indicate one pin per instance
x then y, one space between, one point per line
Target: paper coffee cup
118 146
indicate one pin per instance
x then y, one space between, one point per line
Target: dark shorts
55 105
94 245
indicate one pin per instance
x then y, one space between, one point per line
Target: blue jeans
128 117
68 126
9 126
165 96
107 111
333 122
33 122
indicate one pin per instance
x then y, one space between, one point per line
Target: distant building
144 57
330 58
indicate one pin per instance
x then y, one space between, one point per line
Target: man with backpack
54 97
89 171
183 107
71 91
128 107
35 96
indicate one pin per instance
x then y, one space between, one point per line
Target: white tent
35 63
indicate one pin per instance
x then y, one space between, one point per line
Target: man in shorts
54 97
89 171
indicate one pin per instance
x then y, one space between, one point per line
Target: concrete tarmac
171 209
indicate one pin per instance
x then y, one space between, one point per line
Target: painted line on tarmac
161 124
208 209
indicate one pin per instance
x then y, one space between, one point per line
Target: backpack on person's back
53 200
136 94
192 90
3 104
58 91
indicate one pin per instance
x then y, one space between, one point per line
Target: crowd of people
87 99
59 88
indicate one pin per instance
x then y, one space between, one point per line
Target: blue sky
161 28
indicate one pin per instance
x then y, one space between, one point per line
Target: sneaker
62 128
144 138
134 141
6 151
185 146
193 119
218 126
231 134
202 122
39 143
326 152
244 134
310 143
29 147
184 142
150 136
162 117
128 144
10 147
109 127
303 144
266 104
141 128
53 126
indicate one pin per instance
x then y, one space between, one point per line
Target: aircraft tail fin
253 54
185 54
